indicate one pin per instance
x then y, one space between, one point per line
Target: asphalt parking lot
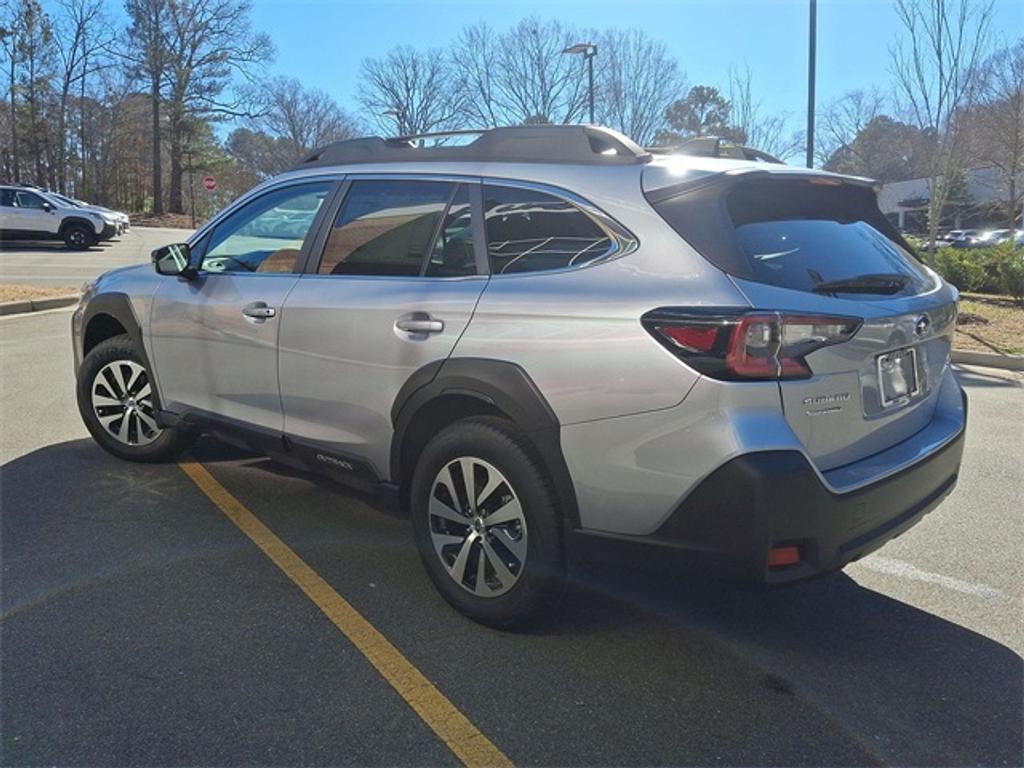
51 264
141 626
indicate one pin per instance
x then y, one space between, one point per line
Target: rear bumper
755 502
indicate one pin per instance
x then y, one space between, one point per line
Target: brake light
753 346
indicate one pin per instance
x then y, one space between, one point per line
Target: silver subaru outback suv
552 346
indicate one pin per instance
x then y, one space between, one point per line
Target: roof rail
569 144
715 146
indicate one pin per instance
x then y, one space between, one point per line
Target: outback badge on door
897 376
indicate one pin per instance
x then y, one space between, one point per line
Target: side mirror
47 207
175 260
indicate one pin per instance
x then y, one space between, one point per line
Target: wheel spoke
118 375
494 480
148 420
501 571
134 373
458 569
102 401
110 418
122 432
481 586
445 478
440 509
468 483
144 393
509 513
517 546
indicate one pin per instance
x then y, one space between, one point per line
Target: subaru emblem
921 325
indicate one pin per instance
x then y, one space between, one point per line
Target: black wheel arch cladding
498 385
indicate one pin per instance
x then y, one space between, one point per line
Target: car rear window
796 234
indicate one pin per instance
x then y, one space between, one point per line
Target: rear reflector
747 345
779 557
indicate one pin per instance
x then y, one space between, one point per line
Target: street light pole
589 51
812 46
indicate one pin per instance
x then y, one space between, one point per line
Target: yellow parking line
433 707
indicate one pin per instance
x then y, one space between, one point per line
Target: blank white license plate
897 376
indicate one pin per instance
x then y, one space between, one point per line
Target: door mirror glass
174 260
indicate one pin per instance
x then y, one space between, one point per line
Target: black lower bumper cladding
758 501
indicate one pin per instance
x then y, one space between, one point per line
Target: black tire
78 237
540 576
150 445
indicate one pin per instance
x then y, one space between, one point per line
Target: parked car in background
991 237
27 213
965 238
119 218
550 345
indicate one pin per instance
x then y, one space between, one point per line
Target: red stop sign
210 183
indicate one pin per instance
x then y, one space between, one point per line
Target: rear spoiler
715 146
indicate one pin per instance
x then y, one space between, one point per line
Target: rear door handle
419 322
258 310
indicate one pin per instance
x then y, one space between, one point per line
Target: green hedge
983 270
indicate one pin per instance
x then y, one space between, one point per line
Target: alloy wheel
477 526
122 399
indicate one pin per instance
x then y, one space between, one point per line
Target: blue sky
322 43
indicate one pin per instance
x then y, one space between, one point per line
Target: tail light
747 345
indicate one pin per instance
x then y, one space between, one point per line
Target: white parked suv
27 213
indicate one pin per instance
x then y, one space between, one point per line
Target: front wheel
79 237
115 399
487 523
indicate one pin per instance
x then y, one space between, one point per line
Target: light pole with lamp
399 115
589 51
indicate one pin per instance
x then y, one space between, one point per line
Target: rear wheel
78 237
115 399
487 523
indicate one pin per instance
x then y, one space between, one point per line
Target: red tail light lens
738 345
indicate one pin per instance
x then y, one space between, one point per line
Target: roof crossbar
568 144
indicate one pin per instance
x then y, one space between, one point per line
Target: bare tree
637 80
82 37
844 119
996 126
935 67
9 23
535 78
413 90
208 43
296 120
752 126
473 57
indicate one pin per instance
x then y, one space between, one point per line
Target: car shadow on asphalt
915 687
972 377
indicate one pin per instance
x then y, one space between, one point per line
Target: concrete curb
35 305
989 359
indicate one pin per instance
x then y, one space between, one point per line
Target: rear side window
529 231
387 228
794 234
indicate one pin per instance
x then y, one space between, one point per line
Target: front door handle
419 322
258 310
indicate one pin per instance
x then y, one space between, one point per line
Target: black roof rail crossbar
568 144
715 146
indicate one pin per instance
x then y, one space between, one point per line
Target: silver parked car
551 346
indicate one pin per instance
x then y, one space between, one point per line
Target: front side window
266 234
389 227
529 231
28 200
7 198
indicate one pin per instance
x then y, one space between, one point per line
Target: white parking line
905 570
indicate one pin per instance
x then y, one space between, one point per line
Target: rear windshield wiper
883 284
